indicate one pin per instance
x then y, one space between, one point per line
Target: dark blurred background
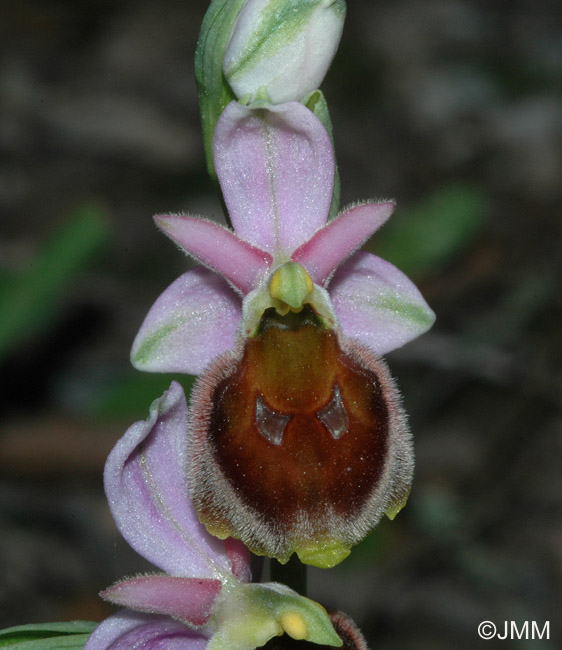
452 107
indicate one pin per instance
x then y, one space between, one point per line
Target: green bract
214 91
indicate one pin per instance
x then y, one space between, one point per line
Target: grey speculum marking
333 415
271 424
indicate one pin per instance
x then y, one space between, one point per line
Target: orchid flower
299 442
205 598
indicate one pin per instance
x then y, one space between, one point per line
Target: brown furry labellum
299 442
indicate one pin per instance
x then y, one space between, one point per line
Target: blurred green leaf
437 512
47 636
431 234
29 300
6 280
130 395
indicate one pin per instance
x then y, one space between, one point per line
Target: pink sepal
192 322
276 170
377 304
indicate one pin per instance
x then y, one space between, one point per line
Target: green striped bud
280 50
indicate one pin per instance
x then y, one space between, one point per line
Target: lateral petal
217 248
192 322
339 239
127 630
146 486
189 600
276 170
377 304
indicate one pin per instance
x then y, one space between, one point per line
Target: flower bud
281 49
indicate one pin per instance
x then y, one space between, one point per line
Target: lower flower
204 598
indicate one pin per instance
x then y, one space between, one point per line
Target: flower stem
292 574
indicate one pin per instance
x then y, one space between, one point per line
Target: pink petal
128 630
146 486
190 324
334 243
276 170
377 304
217 248
189 600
